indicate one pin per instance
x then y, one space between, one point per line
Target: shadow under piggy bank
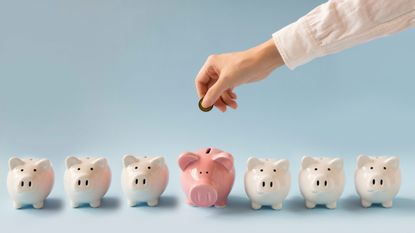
107 203
51 205
166 202
400 204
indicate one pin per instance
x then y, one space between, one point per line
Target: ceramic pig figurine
29 181
321 181
144 179
86 180
267 182
377 180
207 177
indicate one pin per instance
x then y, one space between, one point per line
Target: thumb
214 92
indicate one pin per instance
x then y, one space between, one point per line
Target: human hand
222 73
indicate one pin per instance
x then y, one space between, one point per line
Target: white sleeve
341 24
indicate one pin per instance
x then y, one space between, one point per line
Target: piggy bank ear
225 159
283 164
157 161
392 162
14 162
306 161
101 162
253 162
336 163
362 160
186 159
129 159
43 164
72 160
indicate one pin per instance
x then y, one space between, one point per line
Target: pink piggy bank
207 177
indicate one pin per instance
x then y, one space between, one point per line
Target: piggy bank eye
384 168
22 170
275 170
200 172
79 169
371 168
148 167
261 170
34 170
328 169
136 168
315 169
92 168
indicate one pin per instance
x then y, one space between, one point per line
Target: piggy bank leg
95 204
153 203
74 204
366 204
38 205
310 204
387 204
17 205
256 206
332 205
277 206
221 204
131 203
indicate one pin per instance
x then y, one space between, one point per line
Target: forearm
341 24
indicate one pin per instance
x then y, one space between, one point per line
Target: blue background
107 78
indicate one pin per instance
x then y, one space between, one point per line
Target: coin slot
208 150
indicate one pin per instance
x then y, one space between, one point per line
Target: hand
222 73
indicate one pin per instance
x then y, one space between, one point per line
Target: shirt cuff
296 44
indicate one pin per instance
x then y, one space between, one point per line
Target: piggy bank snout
322 183
203 195
82 182
267 184
139 181
25 184
377 182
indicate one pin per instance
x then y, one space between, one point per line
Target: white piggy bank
144 179
267 182
321 181
86 180
29 181
377 179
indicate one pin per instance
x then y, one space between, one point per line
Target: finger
206 74
214 92
232 94
219 104
226 98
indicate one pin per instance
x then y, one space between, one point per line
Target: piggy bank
86 180
207 177
377 180
267 182
144 179
29 181
321 181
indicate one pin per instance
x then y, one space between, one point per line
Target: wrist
267 55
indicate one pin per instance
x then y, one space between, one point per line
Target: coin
203 109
